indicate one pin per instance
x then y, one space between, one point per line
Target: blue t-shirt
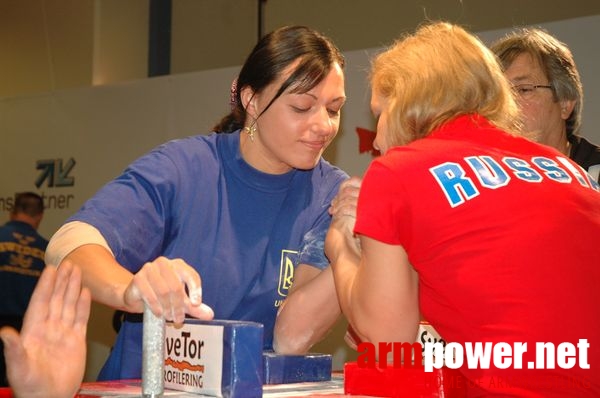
243 230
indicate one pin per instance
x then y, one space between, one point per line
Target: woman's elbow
292 342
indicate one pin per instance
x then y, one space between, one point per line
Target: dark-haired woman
233 217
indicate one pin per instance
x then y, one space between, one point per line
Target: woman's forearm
103 275
308 313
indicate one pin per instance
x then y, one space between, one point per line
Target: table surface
132 388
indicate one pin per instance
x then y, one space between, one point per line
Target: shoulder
317 186
328 177
196 145
401 156
587 155
5 231
584 151
42 240
181 155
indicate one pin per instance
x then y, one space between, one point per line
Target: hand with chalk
343 212
161 285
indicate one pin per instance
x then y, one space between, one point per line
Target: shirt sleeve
69 237
382 212
132 212
313 244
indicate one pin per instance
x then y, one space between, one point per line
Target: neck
253 153
558 140
33 221
565 147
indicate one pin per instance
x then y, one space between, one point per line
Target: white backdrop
85 137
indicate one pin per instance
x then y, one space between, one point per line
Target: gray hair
556 61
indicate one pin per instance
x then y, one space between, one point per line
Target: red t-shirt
504 234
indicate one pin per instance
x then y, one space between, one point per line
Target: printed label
194 358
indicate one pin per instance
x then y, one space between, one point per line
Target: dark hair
273 54
28 203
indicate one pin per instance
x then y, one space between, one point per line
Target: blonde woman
486 234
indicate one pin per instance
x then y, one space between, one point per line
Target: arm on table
312 307
308 313
47 359
377 287
378 292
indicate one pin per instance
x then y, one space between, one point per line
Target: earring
251 130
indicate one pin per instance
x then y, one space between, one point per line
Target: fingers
53 291
39 307
353 181
168 288
140 292
350 186
9 336
202 311
161 285
191 278
13 349
56 304
82 311
345 202
343 211
57 297
193 304
71 295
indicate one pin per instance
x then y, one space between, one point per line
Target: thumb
201 311
13 349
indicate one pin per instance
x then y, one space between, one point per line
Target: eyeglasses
527 90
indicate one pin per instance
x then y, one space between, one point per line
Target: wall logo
55 173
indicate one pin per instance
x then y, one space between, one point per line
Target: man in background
549 92
21 262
